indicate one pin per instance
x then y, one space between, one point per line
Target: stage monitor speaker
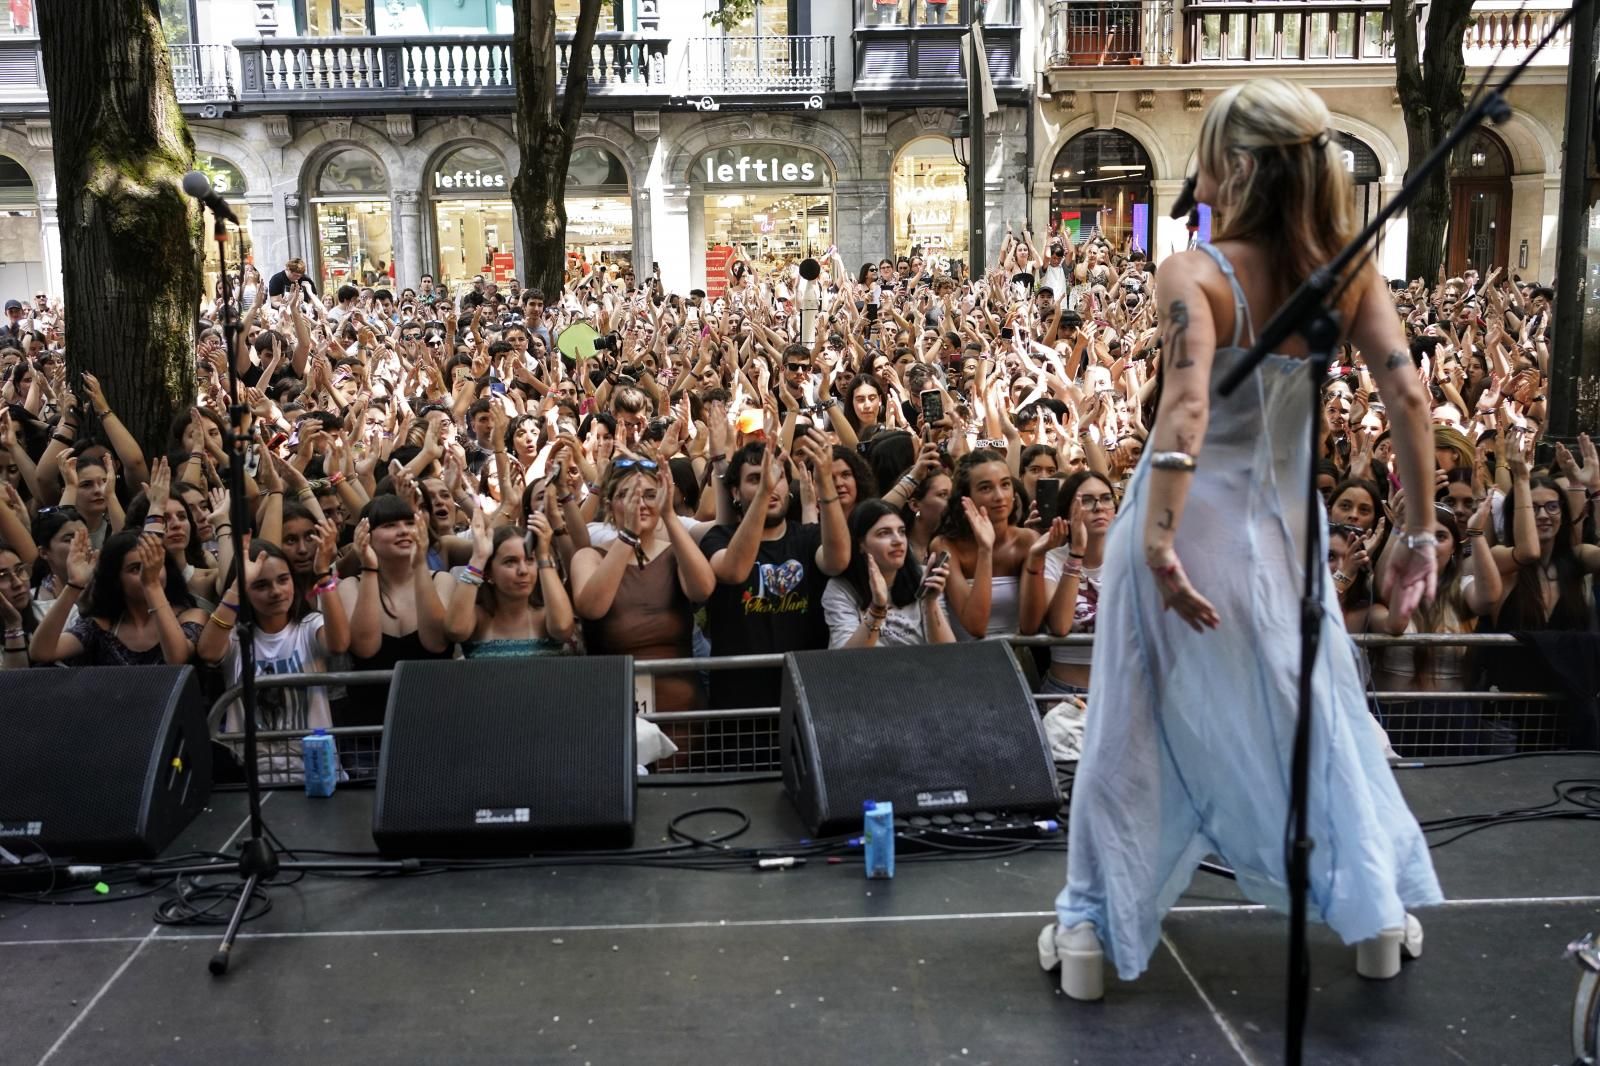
507 756
936 730
100 764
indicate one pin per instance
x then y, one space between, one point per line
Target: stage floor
815 965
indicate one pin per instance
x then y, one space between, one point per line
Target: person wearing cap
13 331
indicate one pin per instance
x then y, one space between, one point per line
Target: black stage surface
814 965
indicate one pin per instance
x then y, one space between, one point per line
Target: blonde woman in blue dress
1192 715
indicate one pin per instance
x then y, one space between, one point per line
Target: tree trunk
1429 80
130 259
545 134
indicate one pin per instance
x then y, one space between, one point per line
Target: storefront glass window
929 190
772 201
473 222
354 223
228 183
599 207
21 251
1100 183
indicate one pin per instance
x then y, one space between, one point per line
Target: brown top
651 618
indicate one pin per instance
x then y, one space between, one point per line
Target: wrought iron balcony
203 73
275 71
1085 33
749 66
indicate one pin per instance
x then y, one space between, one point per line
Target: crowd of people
932 459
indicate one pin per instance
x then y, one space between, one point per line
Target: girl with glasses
1061 583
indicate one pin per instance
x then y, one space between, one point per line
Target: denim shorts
1056 687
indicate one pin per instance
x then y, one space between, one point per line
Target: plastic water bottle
878 838
321 763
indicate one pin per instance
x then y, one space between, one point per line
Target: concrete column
408 237
267 249
1392 249
678 242
1170 234
50 246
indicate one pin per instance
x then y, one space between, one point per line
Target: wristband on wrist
79 588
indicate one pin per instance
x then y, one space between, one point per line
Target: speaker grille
88 753
500 754
933 729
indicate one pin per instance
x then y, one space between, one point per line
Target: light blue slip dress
1188 738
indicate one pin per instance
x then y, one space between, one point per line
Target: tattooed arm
1188 340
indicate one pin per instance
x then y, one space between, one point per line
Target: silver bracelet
1181 461
1418 542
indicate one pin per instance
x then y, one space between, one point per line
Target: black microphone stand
1308 313
257 861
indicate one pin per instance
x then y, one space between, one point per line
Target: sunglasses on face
799 368
639 464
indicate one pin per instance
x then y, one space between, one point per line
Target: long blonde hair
1281 181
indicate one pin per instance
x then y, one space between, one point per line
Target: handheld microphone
1181 207
198 186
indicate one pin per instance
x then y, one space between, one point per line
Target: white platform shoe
1379 958
1077 952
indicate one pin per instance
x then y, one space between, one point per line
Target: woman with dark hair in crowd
53 531
139 613
509 602
1061 582
292 636
1541 564
882 598
1038 461
156 508
1356 503
1460 494
988 546
393 603
636 594
1350 555
17 620
863 404
852 478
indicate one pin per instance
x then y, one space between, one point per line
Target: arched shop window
774 201
227 181
1480 205
22 269
353 220
1361 163
1101 182
929 199
599 207
474 227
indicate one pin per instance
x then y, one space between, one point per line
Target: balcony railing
1119 33
203 73
1147 32
288 69
764 64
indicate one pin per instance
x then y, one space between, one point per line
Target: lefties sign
468 180
783 165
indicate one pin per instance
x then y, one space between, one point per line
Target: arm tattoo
1397 359
1166 520
1178 316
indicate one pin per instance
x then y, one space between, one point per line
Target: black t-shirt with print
776 608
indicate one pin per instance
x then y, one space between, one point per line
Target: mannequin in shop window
933 11
888 11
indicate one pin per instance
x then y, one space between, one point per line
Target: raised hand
151 560
363 545
80 559
543 533
159 487
880 588
978 519
326 537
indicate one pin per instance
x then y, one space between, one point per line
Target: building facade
1124 84
375 138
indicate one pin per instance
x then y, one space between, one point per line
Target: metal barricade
1421 724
